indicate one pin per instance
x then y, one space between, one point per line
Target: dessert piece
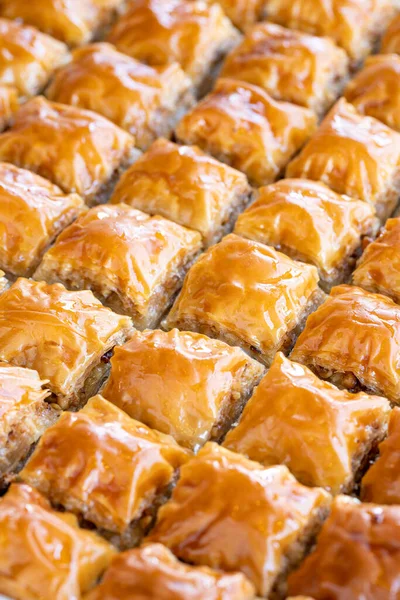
193 34
231 513
353 340
76 149
153 573
181 383
65 336
132 262
354 155
187 186
243 13
391 39
43 553
290 65
24 416
105 467
248 295
325 436
308 222
27 57
33 211
241 125
146 101
8 105
357 554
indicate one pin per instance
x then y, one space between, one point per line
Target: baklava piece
391 39
184 384
308 222
65 336
325 436
290 65
357 554
43 553
353 340
194 34
106 468
78 150
248 295
187 186
133 263
243 13
146 101
230 513
33 211
241 125
8 105
153 573
354 155
27 57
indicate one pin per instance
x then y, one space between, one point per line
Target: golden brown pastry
231 513
184 384
78 150
184 184
8 105
357 554
322 434
247 294
153 573
243 13
146 101
290 65
133 262
391 39
240 124
105 467
353 340
61 334
353 155
43 553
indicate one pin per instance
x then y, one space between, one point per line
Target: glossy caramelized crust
181 383
243 13
354 155
184 184
240 124
289 65
103 465
43 553
353 339
76 149
135 263
322 434
391 39
231 513
143 100
32 212
8 105
246 294
357 554
27 57
153 573
61 334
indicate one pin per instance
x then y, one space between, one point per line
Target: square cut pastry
357 554
187 186
153 573
159 32
353 340
27 57
354 155
146 101
308 222
33 211
132 262
290 65
248 295
63 335
241 125
78 150
8 105
184 384
44 555
230 513
325 436
107 468
391 39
